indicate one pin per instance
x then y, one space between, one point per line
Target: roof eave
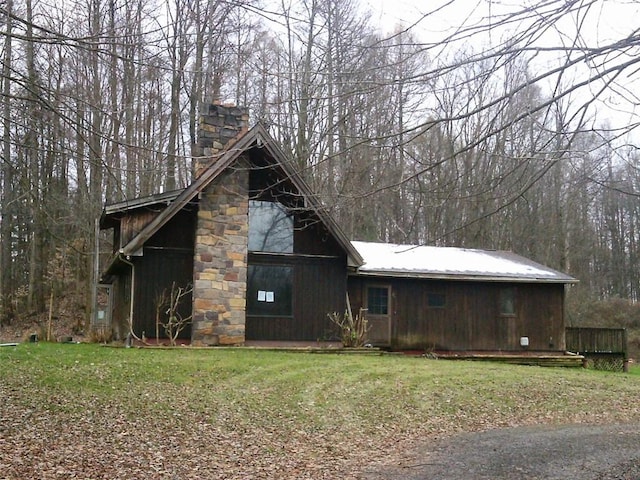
462 277
354 259
148 200
112 212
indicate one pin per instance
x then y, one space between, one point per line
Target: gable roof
392 260
113 210
257 137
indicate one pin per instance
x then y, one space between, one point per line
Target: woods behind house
460 141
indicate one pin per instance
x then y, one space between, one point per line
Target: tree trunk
36 298
6 227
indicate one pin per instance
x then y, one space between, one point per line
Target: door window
378 300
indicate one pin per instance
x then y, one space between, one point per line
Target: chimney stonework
219 126
220 258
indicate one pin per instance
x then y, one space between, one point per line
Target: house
267 263
265 260
455 299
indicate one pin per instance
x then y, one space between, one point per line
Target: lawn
87 411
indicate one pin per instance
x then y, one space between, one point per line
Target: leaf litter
201 429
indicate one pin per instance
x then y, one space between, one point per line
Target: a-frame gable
257 137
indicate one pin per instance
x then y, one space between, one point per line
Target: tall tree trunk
114 178
178 58
6 227
36 298
95 145
195 95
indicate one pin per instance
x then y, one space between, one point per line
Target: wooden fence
603 348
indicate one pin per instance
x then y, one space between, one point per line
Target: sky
605 20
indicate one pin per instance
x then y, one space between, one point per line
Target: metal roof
392 260
141 202
112 211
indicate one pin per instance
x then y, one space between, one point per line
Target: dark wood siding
319 266
133 224
154 273
312 237
168 258
470 318
319 286
178 233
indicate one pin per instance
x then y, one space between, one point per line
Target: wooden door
378 302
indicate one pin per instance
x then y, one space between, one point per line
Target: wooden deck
602 348
541 359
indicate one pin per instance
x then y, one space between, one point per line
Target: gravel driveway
545 452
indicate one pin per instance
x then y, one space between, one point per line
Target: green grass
265 414
291 390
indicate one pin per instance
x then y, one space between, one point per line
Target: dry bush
100 334
352 330
167 306
610 313
613 312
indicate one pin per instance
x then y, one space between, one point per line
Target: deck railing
600 346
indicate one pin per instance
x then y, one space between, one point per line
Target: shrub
353 330
612 312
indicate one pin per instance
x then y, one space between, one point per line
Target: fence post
625 362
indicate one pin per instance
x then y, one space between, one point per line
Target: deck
546 359
540 359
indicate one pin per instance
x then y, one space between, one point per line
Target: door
101 318
378 302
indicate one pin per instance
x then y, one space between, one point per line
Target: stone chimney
220 125
222 231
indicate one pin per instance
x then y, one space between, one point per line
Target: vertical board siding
155 272
319 287
596 340
132 224
168 258
470 319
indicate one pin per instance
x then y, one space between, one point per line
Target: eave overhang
460 277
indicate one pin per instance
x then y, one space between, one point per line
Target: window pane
378 300
270 228
508 301
269 290
436 300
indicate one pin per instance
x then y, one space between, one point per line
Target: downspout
124 260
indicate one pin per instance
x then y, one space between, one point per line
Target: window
270 228
270 290
508 301
436 300
378 300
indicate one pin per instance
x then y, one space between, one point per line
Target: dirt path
545 452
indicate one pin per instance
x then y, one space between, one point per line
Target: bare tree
487 134
6 228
